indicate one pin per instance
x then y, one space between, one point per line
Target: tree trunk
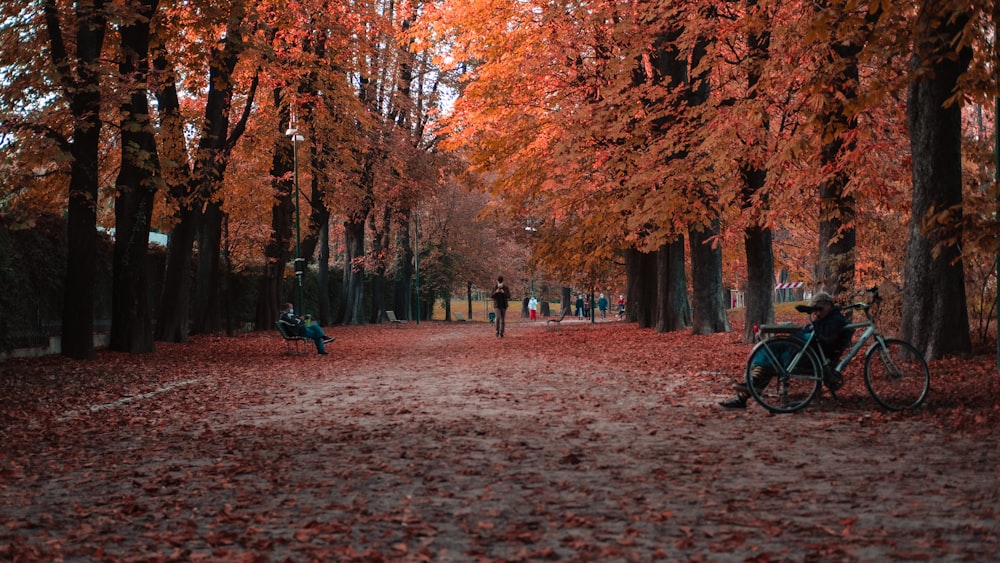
760 280
131 317
757 242
935 314
404 270
208 294
83 93
323 275
673 312
354 272
172 323
837 235
565 294
276 251
380 249
641 268
468 293
709 310
213 153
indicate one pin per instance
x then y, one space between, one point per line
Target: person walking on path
602 306
533 308
299 327
501 296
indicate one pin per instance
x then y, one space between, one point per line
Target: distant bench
291 340
555 322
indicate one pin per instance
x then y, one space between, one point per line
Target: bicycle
895 372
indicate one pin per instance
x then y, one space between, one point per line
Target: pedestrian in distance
501 297
602 306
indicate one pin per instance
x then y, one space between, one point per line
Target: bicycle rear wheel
796 374
897 375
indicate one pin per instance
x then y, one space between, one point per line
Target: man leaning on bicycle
826 322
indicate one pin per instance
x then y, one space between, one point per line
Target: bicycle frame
867 335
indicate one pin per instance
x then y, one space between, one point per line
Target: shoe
833 381
328 339
736 403
322 353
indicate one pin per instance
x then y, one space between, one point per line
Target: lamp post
293 133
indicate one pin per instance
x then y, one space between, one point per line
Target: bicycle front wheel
897 375
795 374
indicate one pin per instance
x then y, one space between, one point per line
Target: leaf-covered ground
442 442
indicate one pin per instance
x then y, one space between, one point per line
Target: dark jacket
501 295
830 333
296 326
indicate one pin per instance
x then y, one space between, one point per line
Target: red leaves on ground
443 442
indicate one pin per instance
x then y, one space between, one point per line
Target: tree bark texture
935 318
709 304
760 280
642 272
673 312
404 272
354 271
323 275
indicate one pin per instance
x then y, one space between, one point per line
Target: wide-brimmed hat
820 297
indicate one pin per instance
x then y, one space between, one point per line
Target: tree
758 238
935 317
199 212
839 82
131 316
80 78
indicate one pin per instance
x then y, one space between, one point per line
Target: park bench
459 317
392 318
293 343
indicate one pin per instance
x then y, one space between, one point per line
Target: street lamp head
291 132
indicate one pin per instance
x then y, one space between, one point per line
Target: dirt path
443 442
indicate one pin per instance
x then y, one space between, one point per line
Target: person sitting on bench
298 327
